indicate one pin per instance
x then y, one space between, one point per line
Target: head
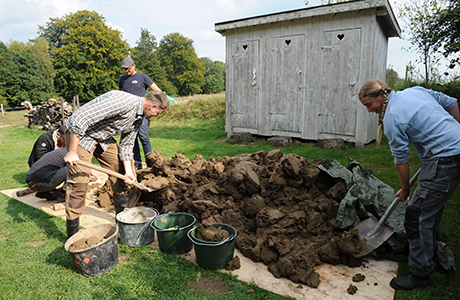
155 103
128 65
60 134
373 95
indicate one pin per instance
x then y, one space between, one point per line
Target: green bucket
172 231
214 255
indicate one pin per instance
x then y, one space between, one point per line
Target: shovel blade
372 242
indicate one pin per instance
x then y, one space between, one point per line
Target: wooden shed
298 73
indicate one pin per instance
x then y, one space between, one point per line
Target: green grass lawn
35 265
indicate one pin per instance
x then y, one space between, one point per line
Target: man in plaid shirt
90 131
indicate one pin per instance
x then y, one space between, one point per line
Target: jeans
143 136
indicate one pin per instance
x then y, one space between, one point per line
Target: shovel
375 233
116 174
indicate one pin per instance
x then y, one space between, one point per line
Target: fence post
62 111
2 109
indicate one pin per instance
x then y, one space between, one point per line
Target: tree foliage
185 70
419 17
145 56
39 49
22 76
447 29
214 76
86 54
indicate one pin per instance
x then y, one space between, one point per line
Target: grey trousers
439 176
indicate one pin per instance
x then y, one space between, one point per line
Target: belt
450 158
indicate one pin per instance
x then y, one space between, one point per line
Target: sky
194 19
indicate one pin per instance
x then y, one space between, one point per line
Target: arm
403 172
154 87
454 112
71 157
128 172
40 151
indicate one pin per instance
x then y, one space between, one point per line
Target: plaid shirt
110 114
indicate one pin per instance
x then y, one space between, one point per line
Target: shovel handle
392 207
103 170
113 173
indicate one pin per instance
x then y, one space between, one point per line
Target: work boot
46 195
138 165
60 196
410 282
73 226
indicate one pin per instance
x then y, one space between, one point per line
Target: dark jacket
44 144
44 169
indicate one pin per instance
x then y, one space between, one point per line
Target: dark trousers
437 181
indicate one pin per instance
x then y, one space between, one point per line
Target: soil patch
90 241
210 285
283 207
210 233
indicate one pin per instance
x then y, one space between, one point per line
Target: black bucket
172 231
134 226
98 259
214 255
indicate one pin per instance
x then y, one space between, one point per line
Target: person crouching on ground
430 121
49 172
90 131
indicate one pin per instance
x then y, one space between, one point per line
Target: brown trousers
78 176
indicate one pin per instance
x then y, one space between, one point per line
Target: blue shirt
136 84
418 116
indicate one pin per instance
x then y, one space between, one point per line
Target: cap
61 130
127 62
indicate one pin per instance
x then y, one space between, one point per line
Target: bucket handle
175 228
203 244
148 226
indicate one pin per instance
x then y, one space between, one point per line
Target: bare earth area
282 206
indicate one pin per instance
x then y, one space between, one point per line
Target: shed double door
340 65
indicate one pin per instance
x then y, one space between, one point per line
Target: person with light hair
428 120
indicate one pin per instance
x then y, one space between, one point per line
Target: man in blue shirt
137 83
430 121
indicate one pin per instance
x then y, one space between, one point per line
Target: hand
94 174
130 179
71 159
402 194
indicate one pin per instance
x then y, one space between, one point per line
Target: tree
184 68
86 54
447 29
21 80
146 58
392 77
214 76
419 16
39 49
